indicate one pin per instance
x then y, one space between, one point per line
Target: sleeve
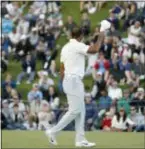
129 121
83 48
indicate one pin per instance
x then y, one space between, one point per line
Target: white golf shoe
51 137
85 144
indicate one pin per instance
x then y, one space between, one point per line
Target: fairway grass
37 139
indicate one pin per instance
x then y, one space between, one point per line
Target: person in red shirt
101 68
106 123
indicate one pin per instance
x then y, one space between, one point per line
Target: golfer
72 72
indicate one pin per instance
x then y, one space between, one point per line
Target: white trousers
74 89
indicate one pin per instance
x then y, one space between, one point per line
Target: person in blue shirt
104 101
91 112
7 25
35 93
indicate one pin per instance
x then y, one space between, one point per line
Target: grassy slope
68 8
36 139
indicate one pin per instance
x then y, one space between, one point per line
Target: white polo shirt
73 56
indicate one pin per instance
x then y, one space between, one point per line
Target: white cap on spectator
23 37
140 89
105 25
41 16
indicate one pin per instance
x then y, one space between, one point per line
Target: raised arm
95 47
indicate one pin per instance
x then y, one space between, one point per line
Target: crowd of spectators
116 99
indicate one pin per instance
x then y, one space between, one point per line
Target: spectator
13 10
106 123
38 7
114 20
33 37
5 44
102 67
118 11
138 119
46 116
137 68
44 82
50 40
14 93
41 49
139 100
16 119
124 102
5 109
85 24
29 122
123 72
53 98
134 34
7 25
14 38
91 112
16 101
120 120
9 81
35 94
114 92
23 47
28 67
6 92
23 26
68 27
106 48
104 101
52 7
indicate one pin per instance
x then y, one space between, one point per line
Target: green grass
37 139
